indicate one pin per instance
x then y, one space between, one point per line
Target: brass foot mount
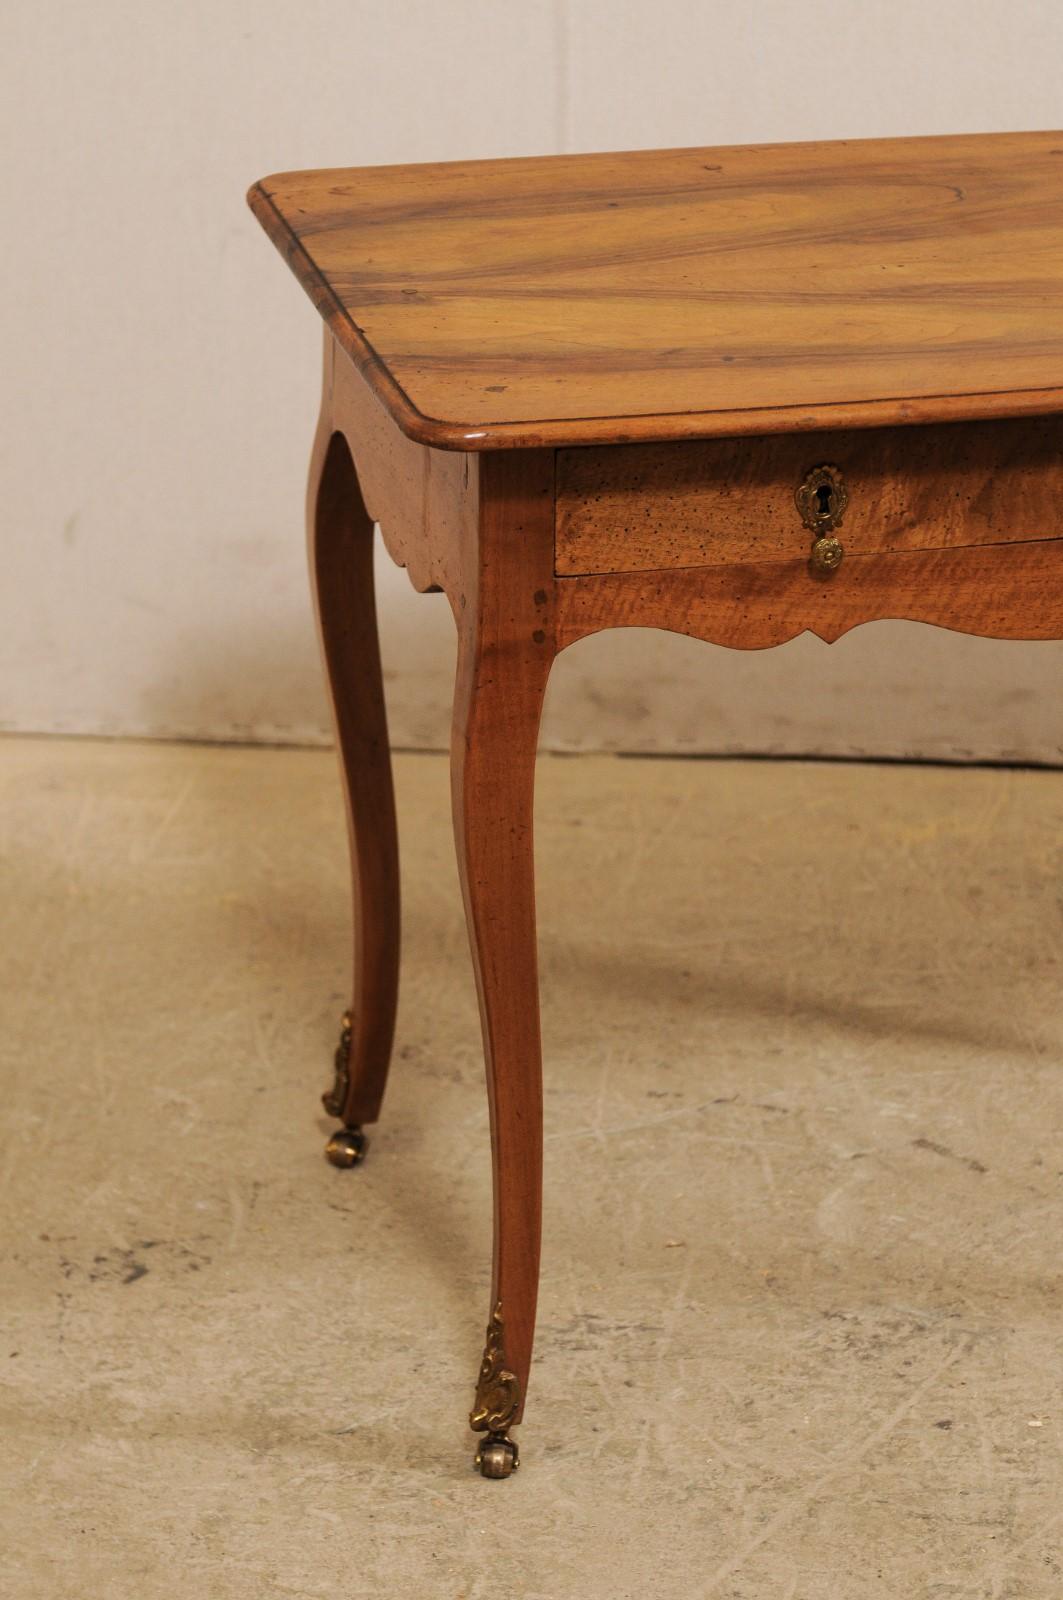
334 1100
347 1147
496 1405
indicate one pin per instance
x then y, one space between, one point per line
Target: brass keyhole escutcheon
821 499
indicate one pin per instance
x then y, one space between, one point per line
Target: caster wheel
497 1456
347 1148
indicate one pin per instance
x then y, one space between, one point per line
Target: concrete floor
800 1324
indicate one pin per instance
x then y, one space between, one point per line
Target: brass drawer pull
826 553
821 499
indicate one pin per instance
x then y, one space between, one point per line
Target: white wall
161 364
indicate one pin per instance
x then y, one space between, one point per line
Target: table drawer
714 502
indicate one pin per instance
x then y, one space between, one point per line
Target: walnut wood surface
506 645
630 508
1010 591
482 530
691 293
419 496
340 535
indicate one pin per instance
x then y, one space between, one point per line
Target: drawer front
714 502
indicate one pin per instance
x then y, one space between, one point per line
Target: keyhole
824 499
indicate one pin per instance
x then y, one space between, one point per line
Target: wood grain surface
482 530
998 591
691 293
506 646
340 539
418 495
630 508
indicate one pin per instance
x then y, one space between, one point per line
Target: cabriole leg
504 655
341 566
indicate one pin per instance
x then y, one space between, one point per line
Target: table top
676 294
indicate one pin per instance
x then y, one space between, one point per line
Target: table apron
1010 591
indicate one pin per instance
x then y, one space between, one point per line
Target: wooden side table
737 393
